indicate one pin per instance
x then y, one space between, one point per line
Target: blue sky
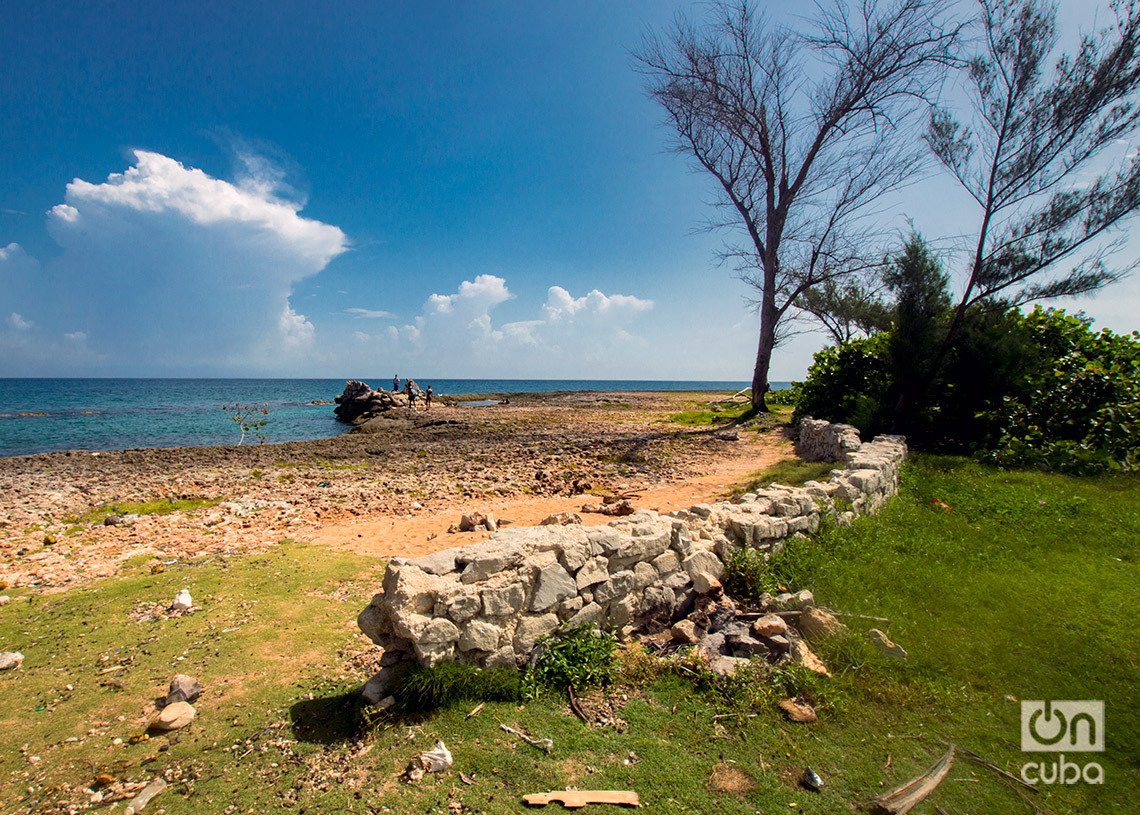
356 189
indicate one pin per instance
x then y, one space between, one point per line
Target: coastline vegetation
1001 585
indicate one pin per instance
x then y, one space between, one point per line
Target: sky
358 189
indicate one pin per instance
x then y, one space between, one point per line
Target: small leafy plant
249 418
575 658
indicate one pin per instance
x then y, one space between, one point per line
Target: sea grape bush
848 383
1078 409
1040 389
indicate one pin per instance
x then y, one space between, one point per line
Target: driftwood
572 799
904 797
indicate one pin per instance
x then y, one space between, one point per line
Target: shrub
848 383
575 658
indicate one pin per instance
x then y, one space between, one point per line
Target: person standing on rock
427 398
396 384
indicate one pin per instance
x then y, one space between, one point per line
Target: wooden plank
573 799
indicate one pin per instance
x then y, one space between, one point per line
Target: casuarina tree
1033 150
802 132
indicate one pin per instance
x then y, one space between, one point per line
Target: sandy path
425 532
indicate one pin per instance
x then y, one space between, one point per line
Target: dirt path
425 532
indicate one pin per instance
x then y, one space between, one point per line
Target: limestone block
479 635
595 571
678 581
531 628
622 611
643 575
816 624
483 566
590 613
503 601
410 590
657 600
666 563
462 604
439 630
604 540
438 563
501 658
410 626
705 570
573 557
430 654
569 607
618 585
769 626
552 585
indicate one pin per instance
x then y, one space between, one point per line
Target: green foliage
1036 390
577 658
161 506
248 418
848 383
1077 409
747 575
922 299
421 690
784 396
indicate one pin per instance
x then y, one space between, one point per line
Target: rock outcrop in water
359 403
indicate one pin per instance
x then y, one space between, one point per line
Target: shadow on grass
329 719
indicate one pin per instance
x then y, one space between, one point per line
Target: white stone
182 601
10 660
480 636
174 716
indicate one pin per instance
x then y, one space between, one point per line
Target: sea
45 415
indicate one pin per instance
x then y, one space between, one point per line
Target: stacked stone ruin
488 603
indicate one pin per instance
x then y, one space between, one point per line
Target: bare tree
800 131
1027 154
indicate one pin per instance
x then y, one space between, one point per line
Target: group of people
413 392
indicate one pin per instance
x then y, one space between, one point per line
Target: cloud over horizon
164 269
456 335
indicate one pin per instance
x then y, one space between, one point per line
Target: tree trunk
760 385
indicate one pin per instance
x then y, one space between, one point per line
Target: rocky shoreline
53 530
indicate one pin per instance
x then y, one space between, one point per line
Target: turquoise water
42 415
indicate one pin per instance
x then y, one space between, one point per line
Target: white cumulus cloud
457 334
165 269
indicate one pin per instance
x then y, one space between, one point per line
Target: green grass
703 416
791 472
160 506
1024 589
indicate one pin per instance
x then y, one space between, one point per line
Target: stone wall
488 603
823 441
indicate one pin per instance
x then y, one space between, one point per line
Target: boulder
174 716
798 711
10 660
359 403
183 688
769 626
182 601
562 519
